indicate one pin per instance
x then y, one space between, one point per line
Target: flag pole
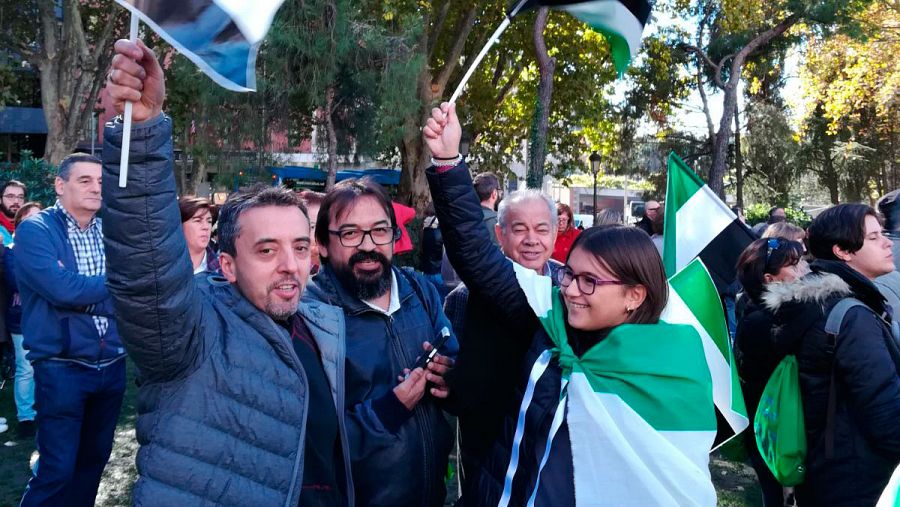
126 120
493 40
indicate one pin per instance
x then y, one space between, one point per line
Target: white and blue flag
221 37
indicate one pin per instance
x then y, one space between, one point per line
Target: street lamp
595 168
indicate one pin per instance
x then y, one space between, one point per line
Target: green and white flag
890 497
638 406
620 21
699 224
693 300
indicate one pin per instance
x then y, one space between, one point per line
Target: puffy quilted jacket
222 405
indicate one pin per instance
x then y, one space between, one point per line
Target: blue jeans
24 389
77 409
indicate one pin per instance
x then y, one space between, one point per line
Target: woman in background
197 222
565 234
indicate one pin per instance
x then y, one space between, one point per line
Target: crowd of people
285 358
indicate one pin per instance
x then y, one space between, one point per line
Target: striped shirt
90 257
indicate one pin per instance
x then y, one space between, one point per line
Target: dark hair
629 254
14 183
843 225
257 196
773 209
20 214
889 210
565 209
65 167
485 184
756 261
341 198
189 205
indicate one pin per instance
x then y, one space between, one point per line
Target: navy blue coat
399 458
57 301
866 368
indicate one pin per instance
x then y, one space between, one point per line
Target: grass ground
735 481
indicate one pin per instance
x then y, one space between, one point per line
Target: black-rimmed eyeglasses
587 284
379 235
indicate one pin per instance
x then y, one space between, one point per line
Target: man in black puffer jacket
238 381
849 383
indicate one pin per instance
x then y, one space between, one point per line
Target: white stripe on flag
698 222
621 460
610 15
252 18
677 312
538 289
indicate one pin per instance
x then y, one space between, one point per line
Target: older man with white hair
526 229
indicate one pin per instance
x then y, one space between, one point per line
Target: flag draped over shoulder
621 21
638 406
699 224
221 37
693 300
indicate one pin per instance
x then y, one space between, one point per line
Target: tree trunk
738 160
546 66
72 71
414 155
729 99
332 138
192 184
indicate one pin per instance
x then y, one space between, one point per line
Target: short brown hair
342 196
189 205
565 209
629 254
20 214
785 230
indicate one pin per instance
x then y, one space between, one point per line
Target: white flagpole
126 130
493 40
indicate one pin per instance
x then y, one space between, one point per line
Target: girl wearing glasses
763 262
612 406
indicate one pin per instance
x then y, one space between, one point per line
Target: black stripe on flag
721 254
639 8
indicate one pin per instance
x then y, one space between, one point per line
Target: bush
760 213
36 174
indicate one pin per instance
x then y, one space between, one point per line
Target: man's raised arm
148 268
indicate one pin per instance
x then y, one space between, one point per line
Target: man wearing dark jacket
849 383
399 437
71 338
238 381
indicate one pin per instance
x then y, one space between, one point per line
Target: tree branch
463 30
717 69
438 28
738 62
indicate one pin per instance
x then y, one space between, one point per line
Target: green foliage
759 212
36 174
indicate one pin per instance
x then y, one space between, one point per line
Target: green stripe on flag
651 367
681 185
698 292
620 27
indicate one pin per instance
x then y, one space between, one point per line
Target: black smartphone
423 361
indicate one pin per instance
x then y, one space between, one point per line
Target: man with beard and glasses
12 197
399 437
238 380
